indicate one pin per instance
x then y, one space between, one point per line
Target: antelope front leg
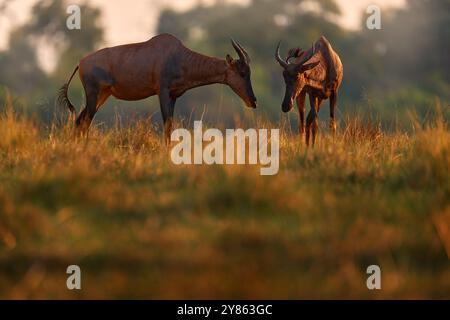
312 123
333 100
301 111
309 121
167 105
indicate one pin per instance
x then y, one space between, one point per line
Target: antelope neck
206 70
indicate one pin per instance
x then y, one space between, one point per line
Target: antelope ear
310 66
229 59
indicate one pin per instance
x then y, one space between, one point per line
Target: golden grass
140 227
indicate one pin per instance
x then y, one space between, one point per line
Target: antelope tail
63 98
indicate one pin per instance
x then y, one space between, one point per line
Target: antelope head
238 75
292 72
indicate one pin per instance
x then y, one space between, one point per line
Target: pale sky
135 20
130 21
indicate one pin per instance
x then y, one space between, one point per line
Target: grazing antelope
161 66
318 72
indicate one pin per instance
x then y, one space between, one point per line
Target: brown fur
162 66
317 72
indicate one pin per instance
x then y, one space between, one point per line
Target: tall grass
141 227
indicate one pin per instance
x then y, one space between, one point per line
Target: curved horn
247 57
308 56
238 49
282 63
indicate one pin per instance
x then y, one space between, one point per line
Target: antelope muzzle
288 101
253 103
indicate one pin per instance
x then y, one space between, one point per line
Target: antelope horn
282 63
247 57
238 49
309 56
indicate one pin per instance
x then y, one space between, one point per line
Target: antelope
161 66
318 72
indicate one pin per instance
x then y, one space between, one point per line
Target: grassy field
141 227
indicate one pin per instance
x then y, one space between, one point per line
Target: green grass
141 227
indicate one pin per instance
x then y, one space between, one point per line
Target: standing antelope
318 72
161 66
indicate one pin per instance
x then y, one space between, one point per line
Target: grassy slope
140 227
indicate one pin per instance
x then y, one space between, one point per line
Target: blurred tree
21 70
405 64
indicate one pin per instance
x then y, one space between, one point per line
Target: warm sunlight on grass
140 227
